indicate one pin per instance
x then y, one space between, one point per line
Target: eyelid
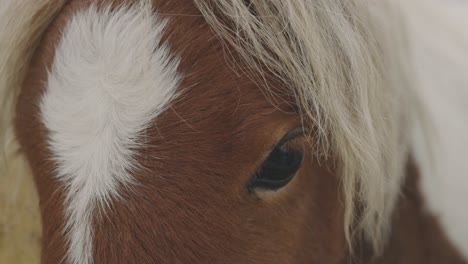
298 132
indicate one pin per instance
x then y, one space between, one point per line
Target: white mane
347 78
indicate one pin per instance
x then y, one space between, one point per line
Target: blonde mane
347 80
21 26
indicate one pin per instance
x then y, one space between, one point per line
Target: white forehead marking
110 79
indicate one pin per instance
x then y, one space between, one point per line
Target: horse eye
280 167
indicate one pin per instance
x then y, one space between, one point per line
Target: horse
216 131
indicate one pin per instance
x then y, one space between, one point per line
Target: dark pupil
282 157
278 170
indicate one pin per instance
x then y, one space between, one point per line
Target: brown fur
191 204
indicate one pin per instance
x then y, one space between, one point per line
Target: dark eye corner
280 166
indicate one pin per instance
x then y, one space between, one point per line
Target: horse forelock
332 61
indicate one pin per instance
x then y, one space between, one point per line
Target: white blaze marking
110 79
